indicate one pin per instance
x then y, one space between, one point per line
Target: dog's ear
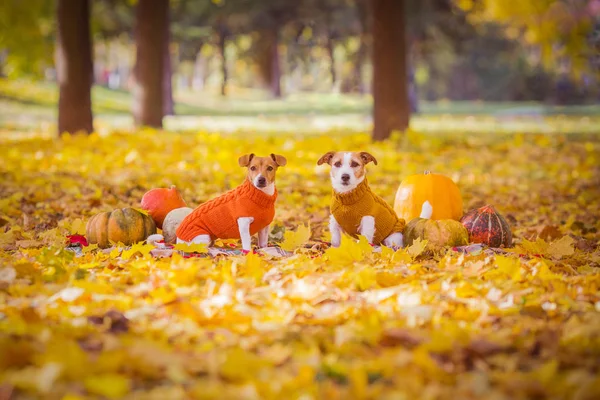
279 160
244 160
367 157
326 158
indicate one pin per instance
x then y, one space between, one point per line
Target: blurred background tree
398 52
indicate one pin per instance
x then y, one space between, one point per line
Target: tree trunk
150 36
330 52
74 66
268 61
275 64
222 43
168 107
358 66
391 110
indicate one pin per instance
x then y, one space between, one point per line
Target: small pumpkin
172 222
486 225
438 233
160 201
439 190
125 225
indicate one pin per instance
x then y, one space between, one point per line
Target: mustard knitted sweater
349 208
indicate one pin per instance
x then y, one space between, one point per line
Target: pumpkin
438 233
125 225
439 190
172 222
159 202
485 225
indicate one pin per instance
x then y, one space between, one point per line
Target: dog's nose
262 180
345 178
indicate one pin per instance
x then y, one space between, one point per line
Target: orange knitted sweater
218 217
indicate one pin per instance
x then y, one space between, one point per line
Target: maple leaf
561 248
78 227
509 266
141 248
192 247
349 250
294 239
417 248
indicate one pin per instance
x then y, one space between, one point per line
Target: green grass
32 106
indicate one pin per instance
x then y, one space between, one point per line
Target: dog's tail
426 210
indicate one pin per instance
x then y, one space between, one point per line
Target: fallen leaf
294 239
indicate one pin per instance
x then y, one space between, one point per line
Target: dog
240 213
355 209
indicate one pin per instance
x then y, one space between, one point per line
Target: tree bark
330 52
168 105
275 64
391 110
151 42
222 44
268 61
74 66
357 83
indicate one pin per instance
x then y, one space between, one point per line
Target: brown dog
354 208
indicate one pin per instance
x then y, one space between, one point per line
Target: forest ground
521 322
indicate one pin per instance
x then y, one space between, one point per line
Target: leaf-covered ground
336 324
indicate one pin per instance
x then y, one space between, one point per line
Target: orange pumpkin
159 202
124 225
439 190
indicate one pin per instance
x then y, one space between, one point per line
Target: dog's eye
253 168
354 164
338 164
269 168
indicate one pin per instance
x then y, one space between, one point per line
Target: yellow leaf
89 248
7 237
163 295
537 247
295 239
417 247
240 365
108 385
254 267
78 227
141 248
349 250
401 256
561 248
365 279
192 248
359 382
53 237
509 266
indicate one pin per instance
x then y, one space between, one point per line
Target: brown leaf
115 321
399 337
484 348
550 233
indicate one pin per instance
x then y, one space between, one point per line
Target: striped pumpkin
438 233
123 225
485 225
